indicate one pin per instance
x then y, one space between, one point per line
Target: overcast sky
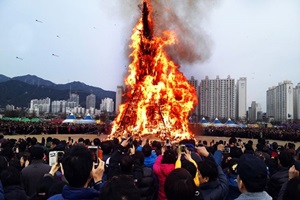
75 40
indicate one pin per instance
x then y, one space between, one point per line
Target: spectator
147 186
252 178
150 155
162 167
231 174
235 151
213 182
180 185
77 167
286 161
32 174
120 188
10 178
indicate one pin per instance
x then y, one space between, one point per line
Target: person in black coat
10 178
276 181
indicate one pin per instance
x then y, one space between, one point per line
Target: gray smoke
184 17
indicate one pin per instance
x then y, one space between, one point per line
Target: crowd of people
140 168
36 128
286 133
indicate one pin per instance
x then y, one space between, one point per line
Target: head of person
97 142
286 159
252 174
10 176
169 157
77 165
189 166
120 188
232 141
36 152
107 147
147 150
179 185
126 164
208 170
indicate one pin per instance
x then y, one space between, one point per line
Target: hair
208 168
190 167
107 147
22 146
147 149
169 157
180 185
97 142
274 145
80 140
126 164
256 185
77 165
232 140
286 159
87 142
10 176
120 188
292 189
140 157
55 141
36 152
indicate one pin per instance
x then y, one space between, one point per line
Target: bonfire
159 98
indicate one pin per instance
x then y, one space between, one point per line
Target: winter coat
76 194
216 189
254 196
15 192
162 171
276 181
150 160
148 186
32 174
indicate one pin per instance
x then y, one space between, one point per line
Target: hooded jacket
69 192
162 171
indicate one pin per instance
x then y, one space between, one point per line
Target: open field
103 137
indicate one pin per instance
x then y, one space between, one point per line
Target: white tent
204 122
230 123
70 119
217 122
86 120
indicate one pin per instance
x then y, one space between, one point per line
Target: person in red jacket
162 167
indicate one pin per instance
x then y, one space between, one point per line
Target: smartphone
94 153
55 157
182 148
226 150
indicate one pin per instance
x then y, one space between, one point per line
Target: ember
159 97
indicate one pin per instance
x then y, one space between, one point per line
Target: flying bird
19 58
38 21
57 36
55 55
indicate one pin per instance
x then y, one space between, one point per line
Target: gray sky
76 40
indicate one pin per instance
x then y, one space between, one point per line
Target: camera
94 153
55 157
226 150
182 148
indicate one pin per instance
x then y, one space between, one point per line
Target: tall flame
159 97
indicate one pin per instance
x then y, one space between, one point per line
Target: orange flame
159 97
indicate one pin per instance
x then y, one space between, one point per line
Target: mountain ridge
19 90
